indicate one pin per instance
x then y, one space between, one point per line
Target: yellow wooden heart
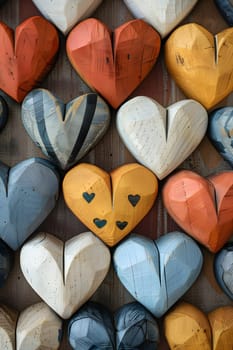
200 63
110 205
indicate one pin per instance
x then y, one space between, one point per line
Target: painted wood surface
65 132
26 55
226 9
110 153
221 132
157 273
66 13
3 113
188 197
187 327
161 138
223 267
111 205
65 275
131 327
163 15
114 68
37 327
192 54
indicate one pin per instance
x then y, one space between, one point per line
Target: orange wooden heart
26 56
202 207
113 68
111 205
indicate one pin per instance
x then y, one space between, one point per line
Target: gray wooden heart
28 193
65 133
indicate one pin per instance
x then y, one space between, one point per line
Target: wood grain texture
188 197
157 273
65 132
163 15
65 275
111 205
159 138
66 13
26 56
192 53
114 68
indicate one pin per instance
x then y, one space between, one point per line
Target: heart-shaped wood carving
221 132
6 262
157 273
159 138
226 9
3 113
163 15
132 327
202 207
223 267
110 205
66 13
37 327
187 327
28 193
65 275
27 55
113 67
192 54
65 133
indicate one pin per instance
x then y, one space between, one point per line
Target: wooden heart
221 132
113 68
26 56
28 193
3 113
202 207
132 327
110 205
65 133
157 273
226 9
192 54
6 262
66 13
223 267
37 327
65 275
159 138
163 15
187 327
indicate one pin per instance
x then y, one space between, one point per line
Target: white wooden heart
66 13
65 275
159 138
163 15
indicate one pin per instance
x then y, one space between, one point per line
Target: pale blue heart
158 273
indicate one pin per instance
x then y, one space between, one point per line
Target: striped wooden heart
64 132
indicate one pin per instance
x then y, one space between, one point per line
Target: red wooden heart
27 56
202 207
114 68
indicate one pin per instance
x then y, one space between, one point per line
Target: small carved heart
134 199
88 196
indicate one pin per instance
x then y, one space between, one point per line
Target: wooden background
110 153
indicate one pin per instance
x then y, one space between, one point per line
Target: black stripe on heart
134 199
100 223
88 196
89 113
121 224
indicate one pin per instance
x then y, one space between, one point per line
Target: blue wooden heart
223 268
226 9
220 132
158 273
6 262
64 132
3 113
28 193
132 328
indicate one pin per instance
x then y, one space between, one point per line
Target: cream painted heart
65 275
66 13
160 138
163 15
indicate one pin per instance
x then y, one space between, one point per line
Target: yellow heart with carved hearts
200 63
110 205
